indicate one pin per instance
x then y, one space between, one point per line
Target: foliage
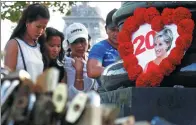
13 10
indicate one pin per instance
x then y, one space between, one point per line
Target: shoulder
12 42
11 45
100 45
151 62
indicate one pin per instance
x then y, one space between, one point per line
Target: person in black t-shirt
53 52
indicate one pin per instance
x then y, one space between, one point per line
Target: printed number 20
142 39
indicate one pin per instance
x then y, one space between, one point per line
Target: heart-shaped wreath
180 16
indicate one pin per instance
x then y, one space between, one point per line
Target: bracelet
79 80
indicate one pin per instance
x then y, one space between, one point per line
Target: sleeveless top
32 58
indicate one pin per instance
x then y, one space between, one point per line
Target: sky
7 26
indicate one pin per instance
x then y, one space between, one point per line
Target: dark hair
89 44
109 17
69 49
49 33
30 14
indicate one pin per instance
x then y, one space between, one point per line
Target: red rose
157 23
180 13
176 56
123 36
166 67
167 15
155 77
139 15
130 25
131 28
129 60
184 41
134 71
125 49
142 81
146 80
150 14
185 26
128 21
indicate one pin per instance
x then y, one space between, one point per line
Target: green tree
12 10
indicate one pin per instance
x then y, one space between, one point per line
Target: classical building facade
91 18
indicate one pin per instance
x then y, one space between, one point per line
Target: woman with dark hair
52 51
23 50
75 63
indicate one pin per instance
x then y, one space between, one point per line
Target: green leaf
14 9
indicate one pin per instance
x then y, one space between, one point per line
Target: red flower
150 14
128 21
166 67
157 23
180 13
152 78
167 15
139 15
130 25
134 72
123 36
176 56
185 26
125 49
181 17
142 80
156 77
184 41
129 60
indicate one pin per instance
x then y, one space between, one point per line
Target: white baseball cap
75 31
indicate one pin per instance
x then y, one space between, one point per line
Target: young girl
53 52
23 50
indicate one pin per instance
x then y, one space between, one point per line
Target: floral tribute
180 16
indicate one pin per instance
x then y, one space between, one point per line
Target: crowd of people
34 47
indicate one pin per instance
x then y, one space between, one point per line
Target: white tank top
32 58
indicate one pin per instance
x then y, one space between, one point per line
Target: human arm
94 68
11 53
95 59
78 64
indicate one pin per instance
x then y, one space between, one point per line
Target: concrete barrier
176 105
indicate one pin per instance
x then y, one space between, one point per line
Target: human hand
78 64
